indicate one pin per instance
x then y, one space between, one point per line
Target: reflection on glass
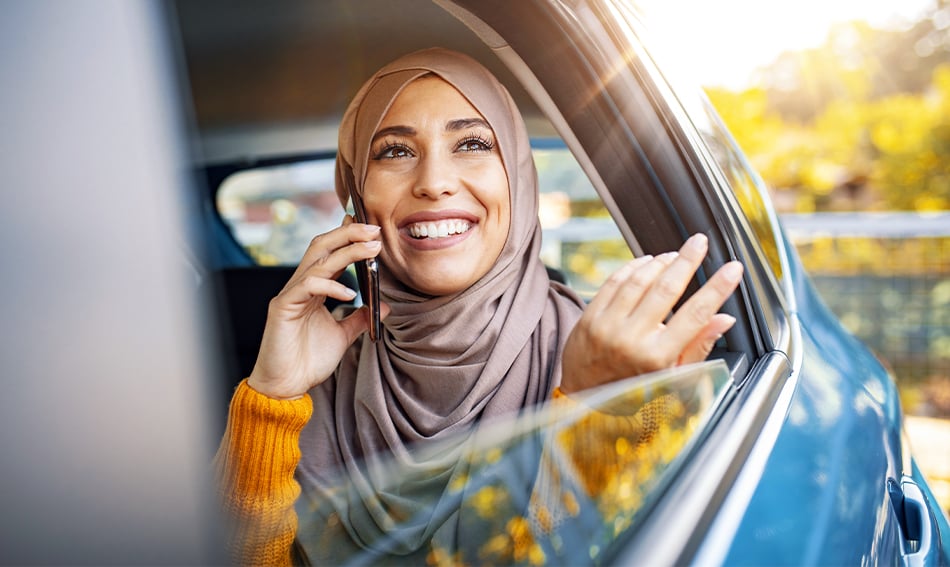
561 483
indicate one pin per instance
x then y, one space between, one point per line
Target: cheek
378 202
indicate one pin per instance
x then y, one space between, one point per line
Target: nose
436 178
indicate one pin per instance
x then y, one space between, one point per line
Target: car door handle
918 526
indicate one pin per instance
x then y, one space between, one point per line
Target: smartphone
367 275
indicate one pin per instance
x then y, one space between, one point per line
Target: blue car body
824 487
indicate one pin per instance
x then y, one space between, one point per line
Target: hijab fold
443 363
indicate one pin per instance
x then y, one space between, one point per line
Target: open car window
273 212
561 483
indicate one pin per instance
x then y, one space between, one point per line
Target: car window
274 212
559 484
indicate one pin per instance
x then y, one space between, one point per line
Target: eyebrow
450 126
394 130
463 123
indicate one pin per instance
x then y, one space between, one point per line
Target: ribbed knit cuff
255 468
261 445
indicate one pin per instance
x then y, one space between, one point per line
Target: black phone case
367 276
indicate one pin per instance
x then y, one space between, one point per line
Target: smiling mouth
438 229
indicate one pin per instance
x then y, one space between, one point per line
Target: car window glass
274 212
559 484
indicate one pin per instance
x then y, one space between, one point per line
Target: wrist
266 388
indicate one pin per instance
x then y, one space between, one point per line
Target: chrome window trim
721 532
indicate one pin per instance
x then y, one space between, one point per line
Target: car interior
266 100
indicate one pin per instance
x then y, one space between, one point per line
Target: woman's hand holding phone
303 343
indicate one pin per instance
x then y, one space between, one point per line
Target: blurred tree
863 122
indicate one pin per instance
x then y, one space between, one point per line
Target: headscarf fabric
443 364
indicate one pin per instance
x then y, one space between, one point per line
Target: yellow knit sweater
255 471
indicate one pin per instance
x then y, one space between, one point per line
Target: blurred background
844 109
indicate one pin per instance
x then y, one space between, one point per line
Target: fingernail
667 256
372 228
373 244
732 271
697 242
349 293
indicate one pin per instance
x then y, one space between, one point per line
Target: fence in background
887 277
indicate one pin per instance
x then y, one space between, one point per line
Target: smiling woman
473 327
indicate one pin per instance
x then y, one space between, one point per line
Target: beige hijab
444 363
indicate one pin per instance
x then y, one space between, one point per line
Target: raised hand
624 331
303 343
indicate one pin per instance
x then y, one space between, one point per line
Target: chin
442 283
441 288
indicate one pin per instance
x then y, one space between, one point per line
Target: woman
473 328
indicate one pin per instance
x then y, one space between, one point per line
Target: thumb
357 323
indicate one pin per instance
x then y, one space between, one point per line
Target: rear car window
273 212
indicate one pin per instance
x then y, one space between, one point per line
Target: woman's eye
475 144
393 151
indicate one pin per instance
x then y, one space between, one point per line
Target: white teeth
439 229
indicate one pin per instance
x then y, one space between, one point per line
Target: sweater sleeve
254 467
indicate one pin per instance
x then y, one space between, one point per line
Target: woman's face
436 185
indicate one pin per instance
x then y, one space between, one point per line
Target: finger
638 284
311 288
670 285
325 244
384 310
699 309
333 264
616 280
357 323
698 350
